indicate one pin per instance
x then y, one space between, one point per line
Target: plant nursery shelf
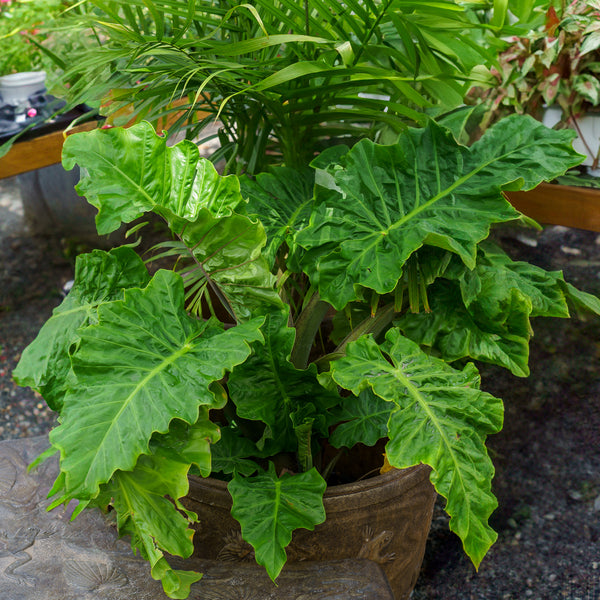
37 152
553 204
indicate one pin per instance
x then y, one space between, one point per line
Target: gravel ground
547 458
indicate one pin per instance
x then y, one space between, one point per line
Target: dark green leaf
282 200
268 388
363 419
232 453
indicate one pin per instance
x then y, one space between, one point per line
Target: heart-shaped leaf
269 508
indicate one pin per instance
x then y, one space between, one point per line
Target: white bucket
589 125
17 87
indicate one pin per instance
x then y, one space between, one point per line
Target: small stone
550 517
571 251
552 577
597 504
575 495
595 565
527 241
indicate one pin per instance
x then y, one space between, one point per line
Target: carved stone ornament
45 556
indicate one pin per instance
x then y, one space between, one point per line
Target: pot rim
353 494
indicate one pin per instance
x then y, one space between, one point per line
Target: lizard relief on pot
374 546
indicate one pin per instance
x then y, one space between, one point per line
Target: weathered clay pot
385 519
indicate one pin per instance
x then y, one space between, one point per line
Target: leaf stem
307 326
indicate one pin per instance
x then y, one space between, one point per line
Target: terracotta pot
385 519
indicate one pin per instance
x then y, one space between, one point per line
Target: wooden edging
38 152
552 204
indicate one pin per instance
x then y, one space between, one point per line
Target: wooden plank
565 205
38 152
46 150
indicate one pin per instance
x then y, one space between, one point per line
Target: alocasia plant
336 304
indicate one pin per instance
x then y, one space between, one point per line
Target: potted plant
282 80
553 73
302 313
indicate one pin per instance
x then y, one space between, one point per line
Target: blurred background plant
558 63
552 73
285 78
23 26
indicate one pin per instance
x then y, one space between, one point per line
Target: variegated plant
336 304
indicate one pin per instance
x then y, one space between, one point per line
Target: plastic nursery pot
588 135
385 519
17 87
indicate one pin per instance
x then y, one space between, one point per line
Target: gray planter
52 207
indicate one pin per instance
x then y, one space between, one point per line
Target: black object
48 117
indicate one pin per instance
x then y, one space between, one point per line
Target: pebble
597 504
571 251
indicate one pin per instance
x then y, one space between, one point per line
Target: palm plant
283 77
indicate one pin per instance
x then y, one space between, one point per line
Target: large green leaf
484 313
99 277
134 374
378 204
227 263
268 388
269 508
438 416
127 172
485 288
146 500
456 332
282 200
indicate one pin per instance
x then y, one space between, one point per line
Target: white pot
589 125
16 88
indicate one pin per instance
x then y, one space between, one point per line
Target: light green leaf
227 262
438 417
268 388
135 374
580 301
99 277
146 500
127 172
190 443
485 288
270 508
379 204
